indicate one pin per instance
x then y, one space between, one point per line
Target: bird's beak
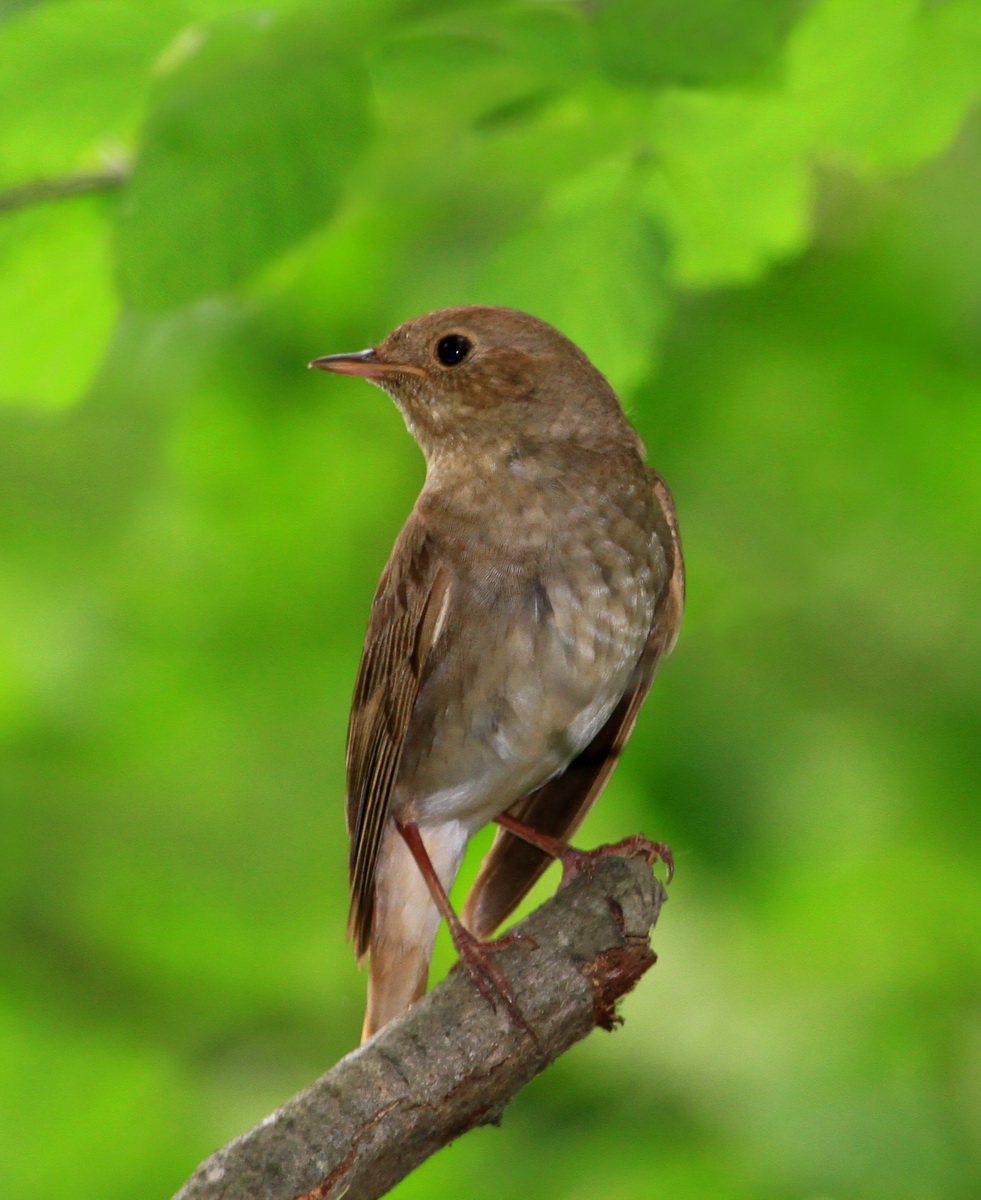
365 363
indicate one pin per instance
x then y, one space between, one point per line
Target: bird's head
486 373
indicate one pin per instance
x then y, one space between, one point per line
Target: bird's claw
492 983
577 862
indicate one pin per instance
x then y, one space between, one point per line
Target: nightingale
513 637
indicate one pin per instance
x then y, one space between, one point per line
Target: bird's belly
497 771
503 733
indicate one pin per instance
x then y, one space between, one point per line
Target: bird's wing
407 616
559 807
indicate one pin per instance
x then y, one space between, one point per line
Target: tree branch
41 191
451 1062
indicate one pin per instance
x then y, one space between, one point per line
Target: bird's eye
453 349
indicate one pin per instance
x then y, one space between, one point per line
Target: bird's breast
554 600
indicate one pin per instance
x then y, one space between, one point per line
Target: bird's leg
575 861
475 955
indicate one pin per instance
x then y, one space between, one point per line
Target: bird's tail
406 919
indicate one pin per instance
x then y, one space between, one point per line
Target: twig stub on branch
451 1062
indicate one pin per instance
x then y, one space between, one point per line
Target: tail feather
395 980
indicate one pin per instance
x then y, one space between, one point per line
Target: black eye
453 349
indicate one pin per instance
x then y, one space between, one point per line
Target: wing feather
406 617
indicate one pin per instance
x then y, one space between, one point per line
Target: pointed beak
365 363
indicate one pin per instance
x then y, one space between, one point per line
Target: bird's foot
488 979
576 862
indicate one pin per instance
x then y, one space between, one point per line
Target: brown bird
513 637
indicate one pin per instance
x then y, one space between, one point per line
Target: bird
514 634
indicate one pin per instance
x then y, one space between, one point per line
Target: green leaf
9 7
869 87
589 263
57 301
693 42
73 79
246 151
886 86
482 61
732 184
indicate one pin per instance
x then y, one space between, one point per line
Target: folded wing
407 614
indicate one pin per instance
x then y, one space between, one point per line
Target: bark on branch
451 1062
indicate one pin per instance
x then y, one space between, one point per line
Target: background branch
41 191
451 1062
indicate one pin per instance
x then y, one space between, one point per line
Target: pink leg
575 861
475 955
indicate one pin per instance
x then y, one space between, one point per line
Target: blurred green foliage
761 219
